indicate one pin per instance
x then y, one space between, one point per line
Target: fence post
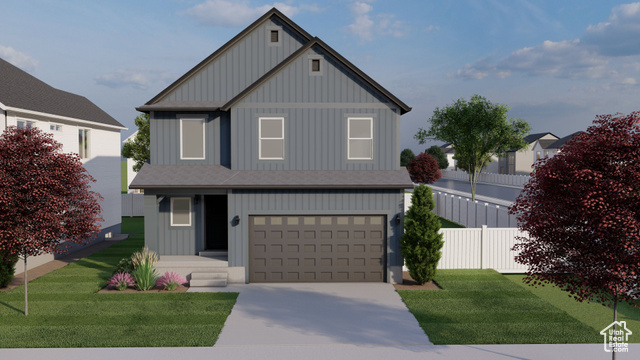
483 246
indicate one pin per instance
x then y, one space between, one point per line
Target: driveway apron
320 313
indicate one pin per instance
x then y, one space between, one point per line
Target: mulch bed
157 289
409 284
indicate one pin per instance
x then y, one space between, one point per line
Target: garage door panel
316 248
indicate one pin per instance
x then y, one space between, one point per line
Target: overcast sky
556 64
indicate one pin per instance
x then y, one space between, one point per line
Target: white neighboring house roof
131 137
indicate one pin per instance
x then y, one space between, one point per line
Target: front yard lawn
66 311
484 307
593 314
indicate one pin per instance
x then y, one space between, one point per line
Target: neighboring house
541 148
130 163
74 121
282 156
556 146
450 152
520 162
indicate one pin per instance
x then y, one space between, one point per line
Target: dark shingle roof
21 90
216 176
562 141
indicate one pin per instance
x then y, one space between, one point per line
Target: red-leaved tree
424 169
45 198
581 210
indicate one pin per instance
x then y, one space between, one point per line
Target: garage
317 248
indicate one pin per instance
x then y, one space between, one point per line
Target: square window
192 139
271 142
360 139
181 211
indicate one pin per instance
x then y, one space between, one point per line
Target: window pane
271 149
271 128
315 65
83 143
360 128
274 36
192 138
20 124
181 211
360 149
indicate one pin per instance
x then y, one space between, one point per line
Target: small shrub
145 275
144 256
124 266
121 281
171 280
7 269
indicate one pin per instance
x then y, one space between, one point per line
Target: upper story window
83 143
271 138
181 211
360 138
25 124
537 155
274 36
192 139
55 127
315 65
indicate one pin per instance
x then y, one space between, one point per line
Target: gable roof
546 144
156 105
533 137
316 42
273 12
22 91
564 140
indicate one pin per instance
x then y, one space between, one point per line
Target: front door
216 222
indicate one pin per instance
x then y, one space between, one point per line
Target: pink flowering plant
171 280
121 281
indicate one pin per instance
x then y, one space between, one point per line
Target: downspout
5 118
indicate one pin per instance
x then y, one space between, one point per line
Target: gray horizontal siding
239 66
165 139
315 138
244 203
295 84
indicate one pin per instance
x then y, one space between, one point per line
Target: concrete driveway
320 314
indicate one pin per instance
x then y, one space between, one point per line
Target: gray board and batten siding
165 139
240 66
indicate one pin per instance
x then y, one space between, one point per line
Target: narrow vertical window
360 139
192 139
181 211
315 65
83 143
274 36
271 138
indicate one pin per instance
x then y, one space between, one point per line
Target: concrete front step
214 253
208 279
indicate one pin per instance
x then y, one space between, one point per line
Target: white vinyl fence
503 179
482 248
132 204
468 213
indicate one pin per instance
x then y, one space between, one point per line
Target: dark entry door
216 222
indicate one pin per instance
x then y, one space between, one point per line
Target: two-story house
75 122
521 162
281 155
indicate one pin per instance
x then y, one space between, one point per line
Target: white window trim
26 122
260 138
204 144
171 212
55 125
349 138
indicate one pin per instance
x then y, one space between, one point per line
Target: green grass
592 314
444 223
65 309
484 307
123 177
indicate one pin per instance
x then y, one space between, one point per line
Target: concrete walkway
320 314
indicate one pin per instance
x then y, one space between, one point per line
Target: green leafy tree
138 148
477 129
406 156
422 241
438 154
